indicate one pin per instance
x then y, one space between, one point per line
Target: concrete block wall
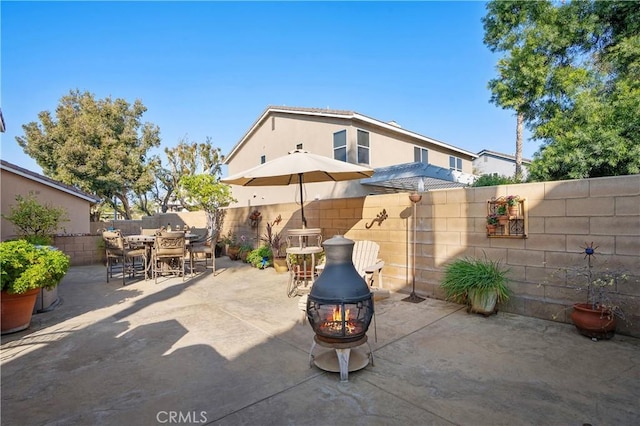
82 249
561 217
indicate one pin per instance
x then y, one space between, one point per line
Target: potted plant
25 268
479 283
512 205
492 223
232 246
261 257
37 223
596 316
244 248
274 241
501 213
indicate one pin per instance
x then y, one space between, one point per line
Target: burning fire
334 322
337 315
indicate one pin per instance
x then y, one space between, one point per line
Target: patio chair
168 254
365 259
202 248
117 251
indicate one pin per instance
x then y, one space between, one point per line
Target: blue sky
211 68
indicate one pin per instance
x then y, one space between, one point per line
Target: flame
337 314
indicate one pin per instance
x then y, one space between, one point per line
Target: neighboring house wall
12 184
279 130
562 217
489 162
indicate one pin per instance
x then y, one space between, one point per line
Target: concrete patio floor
231 349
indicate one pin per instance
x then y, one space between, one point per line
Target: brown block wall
561 217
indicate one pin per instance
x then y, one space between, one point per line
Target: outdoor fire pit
340 309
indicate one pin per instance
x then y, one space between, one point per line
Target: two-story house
398 156
489 162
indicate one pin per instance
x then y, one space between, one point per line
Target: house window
263 159
420 155
363 147
455 163
340 145
299 146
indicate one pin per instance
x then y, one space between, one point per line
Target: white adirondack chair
365 259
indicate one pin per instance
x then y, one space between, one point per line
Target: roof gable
344 114
28 174
501 156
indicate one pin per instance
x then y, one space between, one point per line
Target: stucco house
15 180
489 162
398 156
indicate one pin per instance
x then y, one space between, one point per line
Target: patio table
148 241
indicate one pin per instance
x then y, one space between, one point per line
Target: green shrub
35 222
24 266
493 180
482 275
261 257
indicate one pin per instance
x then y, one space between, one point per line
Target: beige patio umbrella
299 167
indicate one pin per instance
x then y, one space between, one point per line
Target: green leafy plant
244 247
262 257
502 210
493 180
492 219
36 222
25 266
230 240
512 200
481 275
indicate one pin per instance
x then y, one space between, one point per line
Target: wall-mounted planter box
514 223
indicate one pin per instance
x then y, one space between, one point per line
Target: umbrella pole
304 220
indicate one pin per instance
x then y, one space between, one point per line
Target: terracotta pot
513 211
16 310
491 229
232 252
302 273
595 323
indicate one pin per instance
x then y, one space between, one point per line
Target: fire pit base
343 359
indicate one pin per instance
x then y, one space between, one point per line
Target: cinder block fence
559 218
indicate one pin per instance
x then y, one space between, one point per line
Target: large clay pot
593 323
16 310
232 252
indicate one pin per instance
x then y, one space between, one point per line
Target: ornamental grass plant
481 275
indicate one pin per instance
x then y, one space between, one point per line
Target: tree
571 74
206 192
510 27
187 158
100 146
36 222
